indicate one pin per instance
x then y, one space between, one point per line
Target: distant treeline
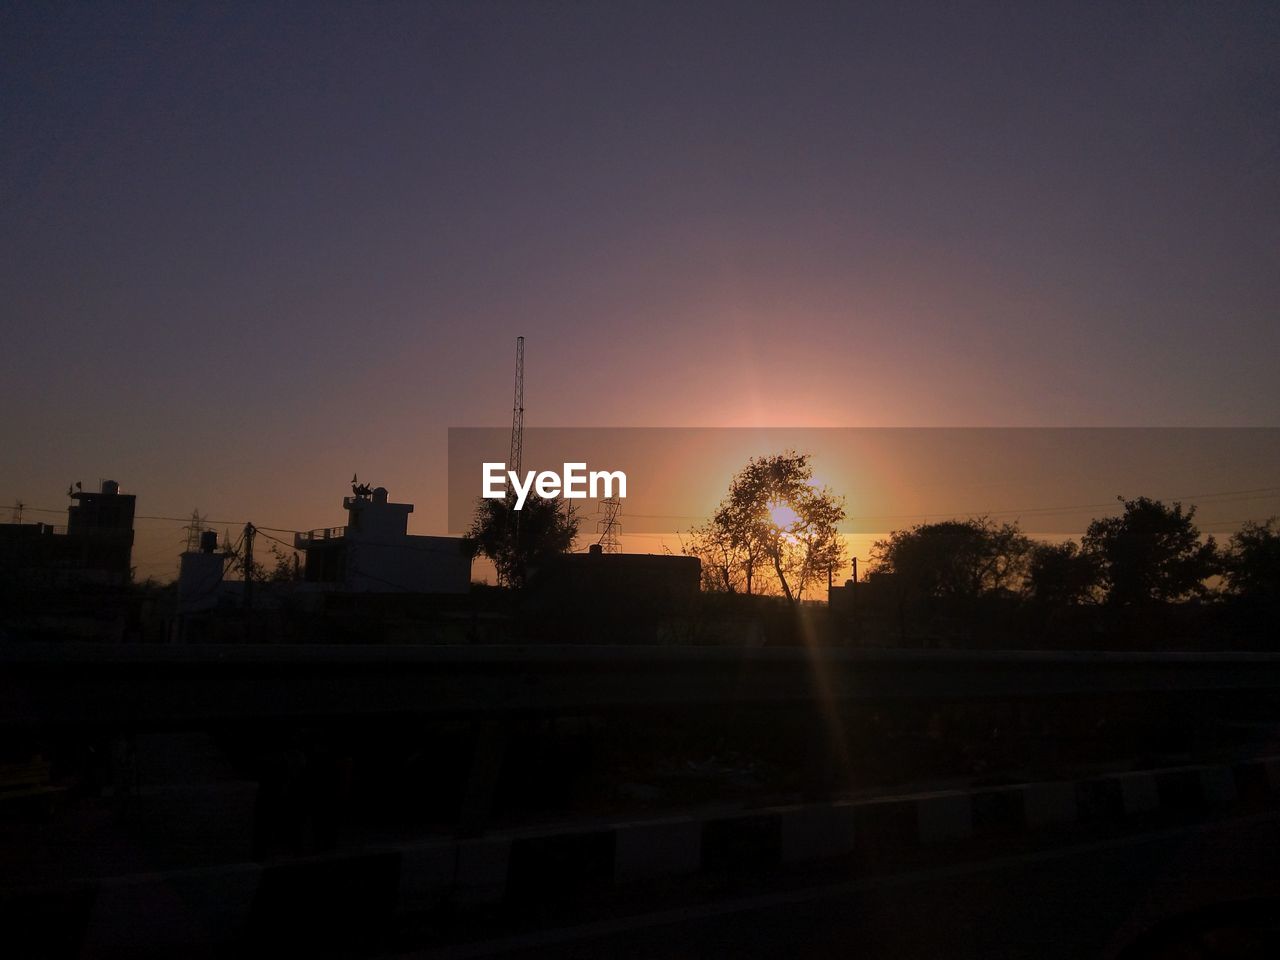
1147 578
1152 552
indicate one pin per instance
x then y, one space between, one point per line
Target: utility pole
249 532
853 592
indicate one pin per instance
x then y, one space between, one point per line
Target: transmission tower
18 506
609 526
514 462
194 529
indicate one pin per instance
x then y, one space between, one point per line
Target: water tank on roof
208 541
110 486
380 495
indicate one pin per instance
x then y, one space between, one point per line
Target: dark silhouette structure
375 553
96 547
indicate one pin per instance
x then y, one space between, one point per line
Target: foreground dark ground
271 759
1190 892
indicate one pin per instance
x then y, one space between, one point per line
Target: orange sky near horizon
903 478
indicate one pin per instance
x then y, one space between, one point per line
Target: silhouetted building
95 547
30 550
875 587
100 533
375 553
598 597
200 575
630 576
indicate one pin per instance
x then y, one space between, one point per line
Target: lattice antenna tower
609 526
516 459
194 529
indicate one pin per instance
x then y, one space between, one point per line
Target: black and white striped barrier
325 899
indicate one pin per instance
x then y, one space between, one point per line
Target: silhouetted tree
955 559
287 567
727 565
518 540
1152 552
774 518
1252 564
1061 574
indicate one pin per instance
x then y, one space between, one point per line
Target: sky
247 250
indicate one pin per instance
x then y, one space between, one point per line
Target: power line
185 520
1258 493
1195 499
276 539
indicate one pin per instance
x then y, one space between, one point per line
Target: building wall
406 564
326 561
99 539
97 546
374 553
621 577
377 517
200 580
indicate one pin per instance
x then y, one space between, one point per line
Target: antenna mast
515 461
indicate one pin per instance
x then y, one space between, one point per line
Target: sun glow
782 516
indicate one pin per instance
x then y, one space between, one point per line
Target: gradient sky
246 250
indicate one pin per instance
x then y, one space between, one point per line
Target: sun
782 516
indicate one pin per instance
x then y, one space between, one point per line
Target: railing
65 682
303 540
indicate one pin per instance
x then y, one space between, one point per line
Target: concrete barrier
482 871
745 843
1050 803
428 872
564 866
818 831
1218 786
661 848
451 872
165 914
314 902
208 823
1001 810
944 816
1139 791
1272 767
324 903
